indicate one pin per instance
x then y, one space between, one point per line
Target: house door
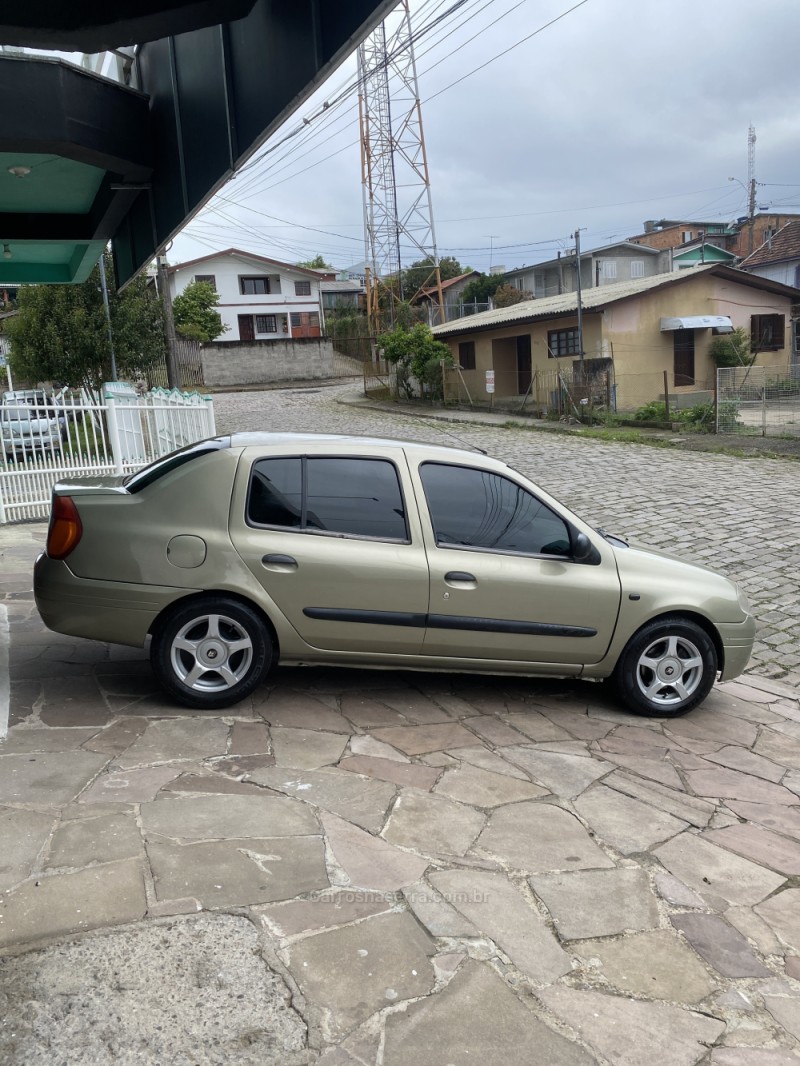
523 363
246 330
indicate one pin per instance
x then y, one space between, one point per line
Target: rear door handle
281 564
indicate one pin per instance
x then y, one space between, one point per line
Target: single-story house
637 329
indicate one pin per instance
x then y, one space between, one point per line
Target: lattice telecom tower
398 215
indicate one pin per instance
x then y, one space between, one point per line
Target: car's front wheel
211 652
667 668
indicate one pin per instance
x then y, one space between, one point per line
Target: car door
504 584
333 542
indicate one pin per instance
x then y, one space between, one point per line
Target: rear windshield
148 474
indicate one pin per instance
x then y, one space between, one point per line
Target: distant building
259 298
607 265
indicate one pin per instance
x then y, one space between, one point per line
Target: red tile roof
784 245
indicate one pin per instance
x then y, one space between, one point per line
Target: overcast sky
621 111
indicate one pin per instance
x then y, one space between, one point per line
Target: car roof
264 440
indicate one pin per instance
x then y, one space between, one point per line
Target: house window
254 286
313 319
266 324
766 333
637 268
609 270
518 284
296 320
683 353
302 288
562 342
686 236
466 355
209 279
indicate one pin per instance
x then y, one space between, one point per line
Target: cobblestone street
738 516
387 868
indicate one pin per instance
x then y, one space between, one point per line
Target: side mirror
582 548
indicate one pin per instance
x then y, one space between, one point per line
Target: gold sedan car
239 552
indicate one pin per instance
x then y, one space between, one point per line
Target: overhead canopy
85 160
721 323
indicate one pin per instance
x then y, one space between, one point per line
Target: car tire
211 652
667 668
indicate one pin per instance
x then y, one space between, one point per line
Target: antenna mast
751 182
394 169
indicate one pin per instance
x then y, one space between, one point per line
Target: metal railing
759 400
46 438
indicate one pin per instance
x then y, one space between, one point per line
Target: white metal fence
759 400
46 438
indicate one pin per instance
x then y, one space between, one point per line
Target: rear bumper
113 611
737 644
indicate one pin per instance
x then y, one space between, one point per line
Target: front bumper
737 645
117 612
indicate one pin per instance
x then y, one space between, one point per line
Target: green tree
194 312
317 263
420 275
60 333
506 295
732 349
418 356
483 287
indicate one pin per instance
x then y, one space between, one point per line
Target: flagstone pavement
373 869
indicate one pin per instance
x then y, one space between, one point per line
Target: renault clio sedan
243 551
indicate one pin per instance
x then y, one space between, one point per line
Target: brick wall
262 362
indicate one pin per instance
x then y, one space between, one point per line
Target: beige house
637 330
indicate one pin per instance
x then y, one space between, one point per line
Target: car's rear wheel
211 652
667 668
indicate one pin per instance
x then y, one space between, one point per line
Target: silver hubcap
669 671
211 653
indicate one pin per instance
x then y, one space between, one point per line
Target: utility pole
173 380
751 183
578 290
491 237
101 262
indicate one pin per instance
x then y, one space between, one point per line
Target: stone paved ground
373 869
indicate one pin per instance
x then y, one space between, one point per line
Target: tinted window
148 474
276 493
360 497
477 509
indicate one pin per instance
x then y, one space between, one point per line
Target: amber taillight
65 527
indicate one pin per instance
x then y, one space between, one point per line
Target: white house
259 298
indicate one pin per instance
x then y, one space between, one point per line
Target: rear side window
473 508
148 474
349 496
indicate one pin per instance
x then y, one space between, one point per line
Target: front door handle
460 579
281 564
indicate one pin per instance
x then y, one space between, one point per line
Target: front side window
349 496
209 279
609 269
473 508
302 288
637 268
562 342
254 286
